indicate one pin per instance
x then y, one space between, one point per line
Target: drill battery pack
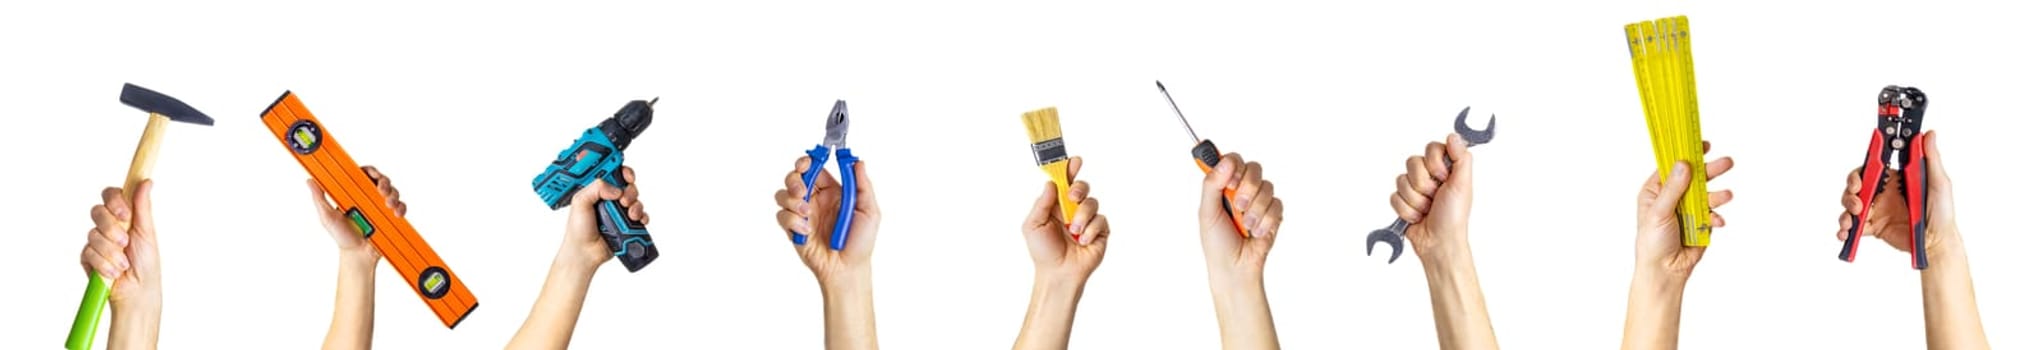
357 198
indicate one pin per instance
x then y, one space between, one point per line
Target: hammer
162 110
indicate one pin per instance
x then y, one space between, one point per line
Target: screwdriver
1208 157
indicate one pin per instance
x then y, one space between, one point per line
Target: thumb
1935 162
865 187
1217 180
1039 213
145 217
1458 152
1672 187
597 190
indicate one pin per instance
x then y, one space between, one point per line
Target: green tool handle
87 324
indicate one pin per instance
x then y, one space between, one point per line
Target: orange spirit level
356 196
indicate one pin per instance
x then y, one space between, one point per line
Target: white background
464 103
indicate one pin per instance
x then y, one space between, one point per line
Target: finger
1672 188
631 195
1719 198
112 258
374 174
630 176
1421 202
793 184
1706 147
1080 191
1046 203
638 213
1241 169
1647 191
1259 209
1405 211
1072 170
1844 225
1274 214
791 222
1717 220
115 201
1247 187
1096 231
791 202
1416 167
1436 161
1087 210
99 261
1851 197
103 220
1716 167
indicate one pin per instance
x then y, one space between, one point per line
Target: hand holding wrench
1394 234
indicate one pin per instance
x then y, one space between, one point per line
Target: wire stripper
1897 133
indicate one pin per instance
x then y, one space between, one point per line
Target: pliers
1394 234
833 139
1898 132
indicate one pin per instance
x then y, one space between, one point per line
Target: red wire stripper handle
1209 157
1898 133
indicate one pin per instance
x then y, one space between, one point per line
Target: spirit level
353 191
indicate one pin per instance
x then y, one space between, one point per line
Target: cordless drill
599 154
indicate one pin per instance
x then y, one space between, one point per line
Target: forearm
552 322
1461 319
1653 311
1052 305
354 304
1242 309
1951 319
848 321
135 323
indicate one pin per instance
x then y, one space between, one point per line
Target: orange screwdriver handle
1209 157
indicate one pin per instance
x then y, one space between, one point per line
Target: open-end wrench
1394 234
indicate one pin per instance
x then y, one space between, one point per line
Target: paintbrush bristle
1045 136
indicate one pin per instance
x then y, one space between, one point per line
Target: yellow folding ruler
1666 76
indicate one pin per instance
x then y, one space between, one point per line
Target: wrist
1657 281
1442 254
1058 286
847 281
358 260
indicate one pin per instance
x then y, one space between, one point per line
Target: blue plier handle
850 184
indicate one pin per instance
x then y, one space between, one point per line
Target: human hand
1227 250
354 247
1889 218
818 216
583 247
121 248
1066 252
1436 198
1659 250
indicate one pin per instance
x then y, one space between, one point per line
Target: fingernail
123 240
804 207
121 213
1681 166
1072 229
1083 241
121 263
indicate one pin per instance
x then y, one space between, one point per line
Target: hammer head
158 103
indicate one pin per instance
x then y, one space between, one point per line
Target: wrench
1394 234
